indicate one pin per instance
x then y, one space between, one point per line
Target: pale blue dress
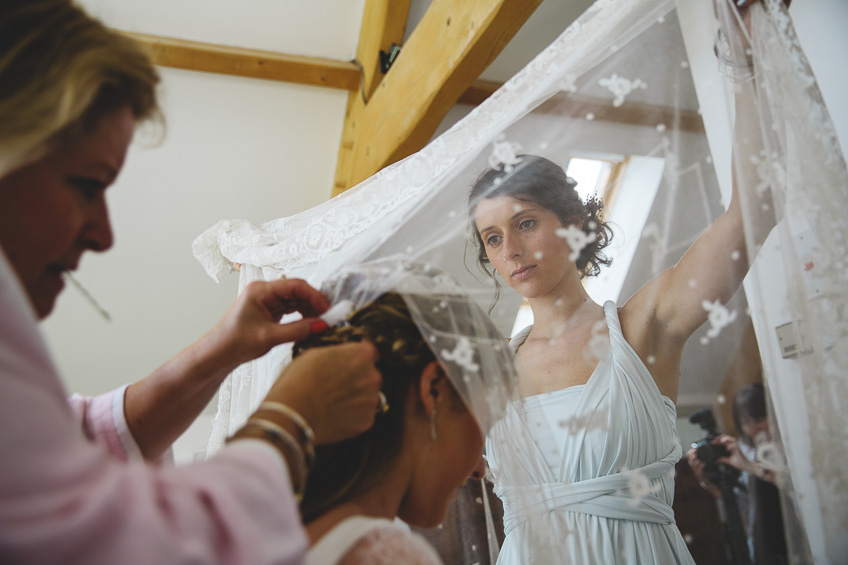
586 472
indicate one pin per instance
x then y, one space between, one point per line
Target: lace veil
456 329
633 91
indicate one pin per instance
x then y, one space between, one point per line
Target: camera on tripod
708 453
726 478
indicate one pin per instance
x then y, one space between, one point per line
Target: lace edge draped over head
457 330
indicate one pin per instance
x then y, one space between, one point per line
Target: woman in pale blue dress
584 464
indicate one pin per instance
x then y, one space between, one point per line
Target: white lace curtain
622 86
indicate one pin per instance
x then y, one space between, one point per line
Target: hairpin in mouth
66 273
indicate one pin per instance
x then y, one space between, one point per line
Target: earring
433 425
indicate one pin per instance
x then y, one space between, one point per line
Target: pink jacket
65 498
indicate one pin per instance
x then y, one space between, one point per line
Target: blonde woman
74 483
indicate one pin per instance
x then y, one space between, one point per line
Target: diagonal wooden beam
383 23
253 63
452 44
478 92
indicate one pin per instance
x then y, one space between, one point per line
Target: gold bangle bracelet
307 436
285 437
277 436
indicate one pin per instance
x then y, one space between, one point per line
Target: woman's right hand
736 459
697 467
334 388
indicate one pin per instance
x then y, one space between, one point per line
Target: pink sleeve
66 499
102 419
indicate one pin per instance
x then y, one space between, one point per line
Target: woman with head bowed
447 376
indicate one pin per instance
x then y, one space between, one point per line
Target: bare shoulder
391 545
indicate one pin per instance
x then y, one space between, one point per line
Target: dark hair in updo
347 468
544 183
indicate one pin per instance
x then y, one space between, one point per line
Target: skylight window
592 175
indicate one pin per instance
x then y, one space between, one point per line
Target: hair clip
338 313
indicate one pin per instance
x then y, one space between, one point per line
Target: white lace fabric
457 330
617 86
360 219
364 221
388 546
363 540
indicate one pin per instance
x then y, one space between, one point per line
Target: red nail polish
318 326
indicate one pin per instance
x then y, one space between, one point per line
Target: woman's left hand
160 408
251 327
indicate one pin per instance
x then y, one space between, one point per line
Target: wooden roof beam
452 44
383 23
252 63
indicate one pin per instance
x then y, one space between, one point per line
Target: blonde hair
61 69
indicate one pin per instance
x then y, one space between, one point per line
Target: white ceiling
317 28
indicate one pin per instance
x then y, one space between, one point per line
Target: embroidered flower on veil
577 239
462 355
719 317
504 154
621 87
639 485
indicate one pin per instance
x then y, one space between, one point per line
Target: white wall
319 28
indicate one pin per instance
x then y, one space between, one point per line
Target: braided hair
350 467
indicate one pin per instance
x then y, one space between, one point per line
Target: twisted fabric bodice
586 473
